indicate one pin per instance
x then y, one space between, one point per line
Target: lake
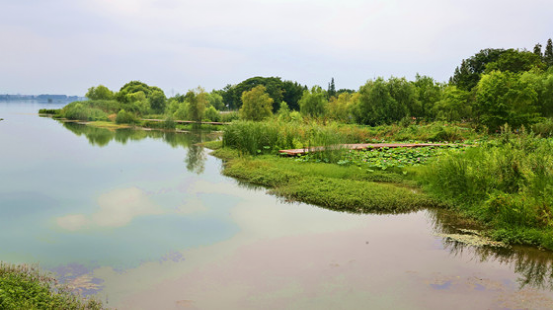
146 220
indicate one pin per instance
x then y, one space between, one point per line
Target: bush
212 115
83 112
124 117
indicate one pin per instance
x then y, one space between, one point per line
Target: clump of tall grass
507 184
24 287
322 142
229 116
83 112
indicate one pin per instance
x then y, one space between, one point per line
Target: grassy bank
24 287
505 183
341 188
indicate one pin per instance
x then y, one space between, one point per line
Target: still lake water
145 220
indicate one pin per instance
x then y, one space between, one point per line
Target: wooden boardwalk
360 146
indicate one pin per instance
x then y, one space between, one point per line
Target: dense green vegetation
491 89
506 183
23 287
503 181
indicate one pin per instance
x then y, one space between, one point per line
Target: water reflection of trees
534 266
195 157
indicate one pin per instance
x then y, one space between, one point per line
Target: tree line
491 88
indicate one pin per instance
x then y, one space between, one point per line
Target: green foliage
255 138
507 184
376 105
169 123
99 92
211 114
544 128
548 54
257 104
504 97
124 117
341 188
468 74
515 61
129 92
196 102
395 158
284 112
82 111
228 117
49 111
331 92
215 100
454 105
313 103
24 287
157 101
427 93
340 108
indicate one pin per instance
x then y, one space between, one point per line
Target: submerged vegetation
24 287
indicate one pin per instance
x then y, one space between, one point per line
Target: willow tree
196 102
256 104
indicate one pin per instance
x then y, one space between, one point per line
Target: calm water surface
145 220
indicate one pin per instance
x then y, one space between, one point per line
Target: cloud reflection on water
117 208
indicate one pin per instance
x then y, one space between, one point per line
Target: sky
67 46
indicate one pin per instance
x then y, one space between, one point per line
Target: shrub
124 117
211 114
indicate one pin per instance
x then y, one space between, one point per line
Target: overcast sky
66 46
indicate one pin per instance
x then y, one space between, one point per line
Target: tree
453 105
157 101
216 100
548 54
375 105
292 92
427 93
331 89
537 50
135 87
273 87
339 108
257 104
504 97
468 74
515 61
99 92
196 100
403 93
313 103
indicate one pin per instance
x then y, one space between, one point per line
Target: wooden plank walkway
360 146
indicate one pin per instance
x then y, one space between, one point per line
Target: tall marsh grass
268 137
507 184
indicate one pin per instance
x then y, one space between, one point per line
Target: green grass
507 184
327 185
24 287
